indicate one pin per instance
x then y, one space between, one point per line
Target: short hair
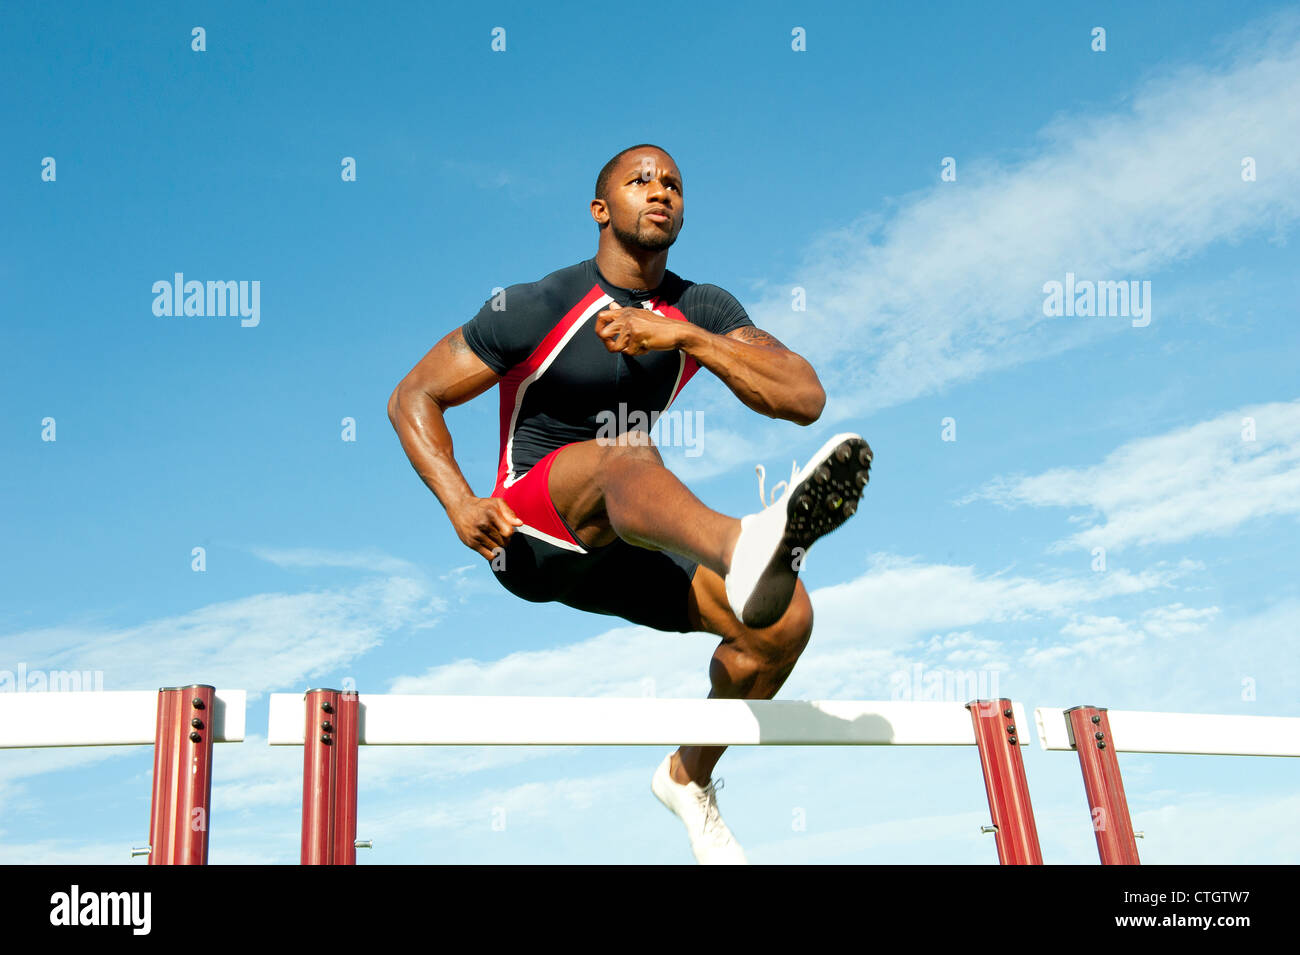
602 180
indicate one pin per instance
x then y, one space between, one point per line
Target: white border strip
553 541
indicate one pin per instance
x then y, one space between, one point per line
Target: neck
630 268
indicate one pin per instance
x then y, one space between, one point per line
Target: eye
638 180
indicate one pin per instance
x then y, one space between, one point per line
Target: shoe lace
762 475
708 799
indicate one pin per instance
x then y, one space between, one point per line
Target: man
594 519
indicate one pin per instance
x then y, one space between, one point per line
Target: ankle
678 773
676 770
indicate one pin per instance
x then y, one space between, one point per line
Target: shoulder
551 289
516 318
711 306
707 291
699 293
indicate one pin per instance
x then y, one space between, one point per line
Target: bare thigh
575 483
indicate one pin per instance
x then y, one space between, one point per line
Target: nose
657 191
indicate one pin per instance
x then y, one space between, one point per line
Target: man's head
639 198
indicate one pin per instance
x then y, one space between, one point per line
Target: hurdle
331 725
181 722
1097 735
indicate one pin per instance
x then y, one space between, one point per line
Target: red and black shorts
545 561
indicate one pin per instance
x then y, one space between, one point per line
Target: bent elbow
393 404
410 399
811 408
810 396
819 406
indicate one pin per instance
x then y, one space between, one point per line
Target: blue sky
328 559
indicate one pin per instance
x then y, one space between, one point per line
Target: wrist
691 339
453 499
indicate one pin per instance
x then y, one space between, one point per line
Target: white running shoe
773 542
711 840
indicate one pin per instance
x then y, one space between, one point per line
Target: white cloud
946 285
19 765
949 837
66 852
950 286
258 643
853 650
310 557
1201 479
907 598
531 801
1190 830
624 661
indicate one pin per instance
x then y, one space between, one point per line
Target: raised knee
781 644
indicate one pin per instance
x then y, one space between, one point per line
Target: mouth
655 215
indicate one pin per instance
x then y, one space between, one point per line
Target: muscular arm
450 374
764 374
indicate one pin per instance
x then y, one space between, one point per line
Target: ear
599 211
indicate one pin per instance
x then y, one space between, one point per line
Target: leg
620 488
748 664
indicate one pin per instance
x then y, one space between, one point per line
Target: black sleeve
716 310
506 335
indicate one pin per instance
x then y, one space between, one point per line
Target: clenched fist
635 331
484 524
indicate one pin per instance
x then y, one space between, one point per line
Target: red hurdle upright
998 739
329 778
182 776
1090 731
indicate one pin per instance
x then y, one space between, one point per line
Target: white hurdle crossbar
1201 734
1096 734
103 718
181 722
398 720
334 723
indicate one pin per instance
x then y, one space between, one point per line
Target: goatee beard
655 241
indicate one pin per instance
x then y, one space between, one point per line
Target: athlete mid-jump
593 519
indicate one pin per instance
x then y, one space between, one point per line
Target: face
644 201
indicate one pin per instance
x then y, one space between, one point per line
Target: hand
484 524
635 331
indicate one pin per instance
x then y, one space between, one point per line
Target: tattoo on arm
755 336
457 343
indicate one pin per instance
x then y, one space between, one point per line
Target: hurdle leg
329 778
182 776
1004 780
1090 733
